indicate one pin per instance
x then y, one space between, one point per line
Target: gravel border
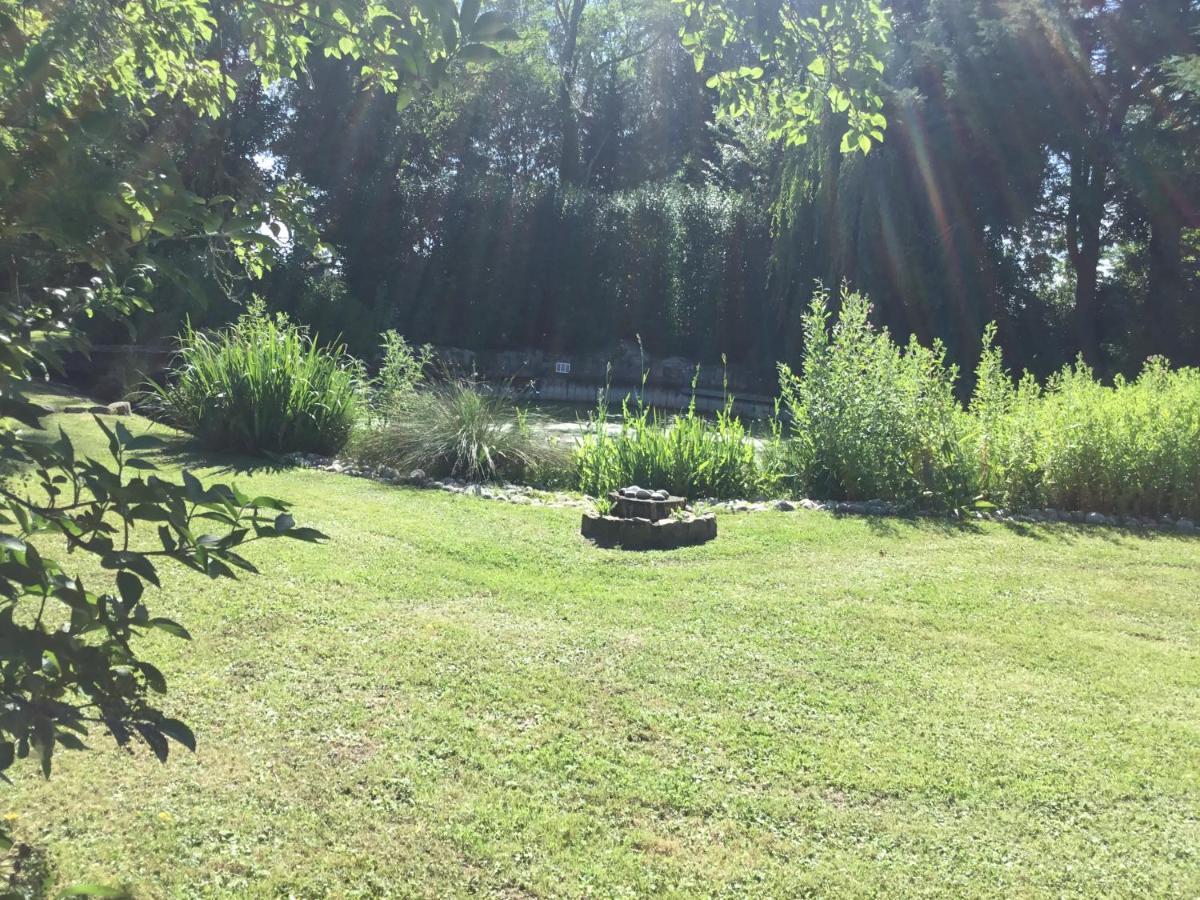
527 496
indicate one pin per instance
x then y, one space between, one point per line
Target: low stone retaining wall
642 534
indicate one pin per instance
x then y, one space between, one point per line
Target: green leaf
137 562
480 53
170 626
130 587
22 410
193 488
487 26
467 14
12 544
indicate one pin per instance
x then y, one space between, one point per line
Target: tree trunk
568 161
1165 294
1085 216
569 158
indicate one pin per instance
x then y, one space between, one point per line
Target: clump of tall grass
262 384
461 428
687 454
1130 448
873 420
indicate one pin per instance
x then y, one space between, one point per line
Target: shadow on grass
1062 532
895 525
188 453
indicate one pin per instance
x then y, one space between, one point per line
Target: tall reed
262 384
686 454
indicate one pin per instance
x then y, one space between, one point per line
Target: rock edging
527 496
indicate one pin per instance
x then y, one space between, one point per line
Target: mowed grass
460 697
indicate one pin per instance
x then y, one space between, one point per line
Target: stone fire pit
641 519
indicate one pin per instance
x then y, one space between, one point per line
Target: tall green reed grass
262 384
686 454
1130 448
871 419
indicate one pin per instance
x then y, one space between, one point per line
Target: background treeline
495 263
1041 169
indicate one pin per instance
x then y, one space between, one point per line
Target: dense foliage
872 419
262 384
1131 448
69 659
115 131
493 264
1038 169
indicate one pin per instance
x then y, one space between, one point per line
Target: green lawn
461 697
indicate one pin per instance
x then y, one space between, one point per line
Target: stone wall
668 383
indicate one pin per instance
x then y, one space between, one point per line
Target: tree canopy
1032 164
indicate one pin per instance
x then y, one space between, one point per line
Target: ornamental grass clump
461 428
264 384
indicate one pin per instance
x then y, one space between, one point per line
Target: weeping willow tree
810 75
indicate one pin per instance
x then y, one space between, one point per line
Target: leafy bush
1132 448
687 454
872 420
401 370
263 384
461 428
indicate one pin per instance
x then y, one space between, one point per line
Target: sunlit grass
457 697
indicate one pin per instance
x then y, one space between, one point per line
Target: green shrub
463 429
263 384
687 454
1003 417
872 420
401 370
1132 448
